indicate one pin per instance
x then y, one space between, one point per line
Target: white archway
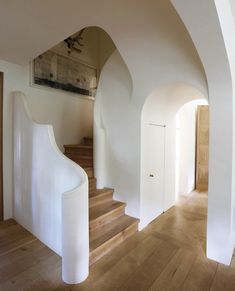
218 58
159 113
186 132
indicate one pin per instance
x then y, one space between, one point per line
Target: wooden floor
168 255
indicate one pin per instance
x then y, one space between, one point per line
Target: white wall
157 51
121 98
70 115
186 147
113 109
218 57
228 27
50 193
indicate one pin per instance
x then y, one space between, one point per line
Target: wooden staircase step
89 171
79 149
104 239
105 213
108 224
92 185
83 161
88 140
100 196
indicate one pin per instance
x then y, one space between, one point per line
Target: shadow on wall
113 129
158 148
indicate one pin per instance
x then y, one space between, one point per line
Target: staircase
108 224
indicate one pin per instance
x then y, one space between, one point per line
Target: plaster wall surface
70 115
50 193
217 55
157 51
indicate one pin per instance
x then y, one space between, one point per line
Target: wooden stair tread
98 197
100 192
108 224
103 209
103 234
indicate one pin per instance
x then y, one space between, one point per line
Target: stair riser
92 185
79 151
88 141
94 201
82 162
90 173
98 253
108 217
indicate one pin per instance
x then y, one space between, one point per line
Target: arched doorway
158 148
188 146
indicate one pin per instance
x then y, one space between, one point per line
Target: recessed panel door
153 172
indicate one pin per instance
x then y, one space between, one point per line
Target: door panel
153 172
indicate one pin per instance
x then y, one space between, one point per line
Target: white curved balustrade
50 193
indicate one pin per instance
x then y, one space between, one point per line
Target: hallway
167 255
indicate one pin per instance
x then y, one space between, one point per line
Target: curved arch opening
186 146
159 146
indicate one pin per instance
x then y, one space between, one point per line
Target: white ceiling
30 27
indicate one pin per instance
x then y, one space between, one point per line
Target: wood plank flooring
168 255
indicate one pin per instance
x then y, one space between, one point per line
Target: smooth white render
70 115
218 57
50 193
157 52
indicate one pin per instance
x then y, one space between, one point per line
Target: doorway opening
192 147
162 166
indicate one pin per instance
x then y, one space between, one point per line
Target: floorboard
168 255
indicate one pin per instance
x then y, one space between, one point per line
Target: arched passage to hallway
156 50
191 168
217 56
158 148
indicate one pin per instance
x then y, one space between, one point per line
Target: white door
153 163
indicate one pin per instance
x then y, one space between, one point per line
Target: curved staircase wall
50 193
